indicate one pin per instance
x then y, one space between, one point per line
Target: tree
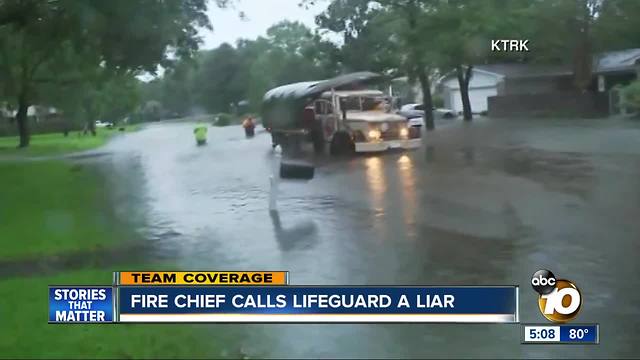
571 32
418 61
462 31
118 35
384 36
216 81
177 92
617 25
369 32
228 74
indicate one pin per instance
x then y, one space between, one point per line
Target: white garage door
477 97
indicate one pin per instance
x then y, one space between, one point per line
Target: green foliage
219 80
438 101
631 95
223 119
82 55
152 110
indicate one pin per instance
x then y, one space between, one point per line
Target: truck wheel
342 144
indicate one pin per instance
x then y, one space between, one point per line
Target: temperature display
560 334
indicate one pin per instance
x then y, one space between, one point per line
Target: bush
631 94
223 119
152 111
437 101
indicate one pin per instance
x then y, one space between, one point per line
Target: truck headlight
404 132
374 134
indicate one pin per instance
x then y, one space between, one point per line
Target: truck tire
342 144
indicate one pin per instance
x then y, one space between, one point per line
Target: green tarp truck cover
282 107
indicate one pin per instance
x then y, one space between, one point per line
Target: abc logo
560 300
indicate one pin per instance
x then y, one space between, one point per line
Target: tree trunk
418 68
582 53
463 81
23 121
91 126
426 99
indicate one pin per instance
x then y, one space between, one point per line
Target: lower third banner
318 304
81 304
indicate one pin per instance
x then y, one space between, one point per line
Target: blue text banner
318 304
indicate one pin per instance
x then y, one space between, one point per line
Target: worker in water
249 126
200 132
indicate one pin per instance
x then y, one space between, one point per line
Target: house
609 69
406 90
42 119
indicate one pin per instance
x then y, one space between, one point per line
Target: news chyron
560 302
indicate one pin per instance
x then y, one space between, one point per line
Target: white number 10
554 301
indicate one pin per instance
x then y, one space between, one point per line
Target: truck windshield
365 103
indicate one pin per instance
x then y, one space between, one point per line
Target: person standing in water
200 133
249 126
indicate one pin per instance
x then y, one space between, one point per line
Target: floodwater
484 203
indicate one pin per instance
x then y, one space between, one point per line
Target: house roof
613 61
516 70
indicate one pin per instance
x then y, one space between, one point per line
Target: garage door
477 97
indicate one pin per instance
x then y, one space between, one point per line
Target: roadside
27 335
59 227
56 144
55 207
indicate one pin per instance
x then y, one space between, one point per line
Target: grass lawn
26 334
56 143
50 207
54 207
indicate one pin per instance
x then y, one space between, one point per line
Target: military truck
345 112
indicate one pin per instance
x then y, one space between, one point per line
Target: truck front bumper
383 145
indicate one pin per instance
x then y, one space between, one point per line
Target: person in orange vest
249 126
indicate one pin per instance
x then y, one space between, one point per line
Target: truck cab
363 121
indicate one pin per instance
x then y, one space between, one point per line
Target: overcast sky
260 15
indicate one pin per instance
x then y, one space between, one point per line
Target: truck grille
392 133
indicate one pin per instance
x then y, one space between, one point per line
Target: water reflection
430 153
408 183
299 236
376 182
469 155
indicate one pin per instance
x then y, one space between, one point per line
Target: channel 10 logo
560 300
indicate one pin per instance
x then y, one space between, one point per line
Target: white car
406 107
415 113
101 124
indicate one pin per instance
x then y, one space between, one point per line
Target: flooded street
479 204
